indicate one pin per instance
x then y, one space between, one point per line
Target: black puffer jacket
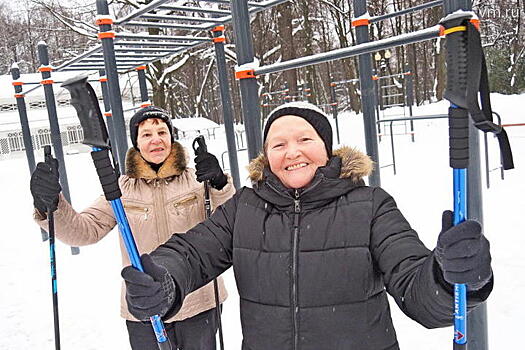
312 265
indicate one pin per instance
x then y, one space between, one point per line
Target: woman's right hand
151 292
45 186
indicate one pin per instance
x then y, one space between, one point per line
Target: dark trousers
195 333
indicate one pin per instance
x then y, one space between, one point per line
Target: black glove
151 292
45 186
207 168
463 253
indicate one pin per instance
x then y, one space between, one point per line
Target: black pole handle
199 145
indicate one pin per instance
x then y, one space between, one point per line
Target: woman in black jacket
315 250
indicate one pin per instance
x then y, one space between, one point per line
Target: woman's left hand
463 253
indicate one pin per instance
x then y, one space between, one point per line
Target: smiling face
294 151
154 140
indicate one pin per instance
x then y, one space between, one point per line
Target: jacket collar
138 168
344 171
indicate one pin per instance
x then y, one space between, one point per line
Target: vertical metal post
141 73
227 113
487 170
333 97
22 112
477 318
409 88
106 36
248 86
107 106
367 93
24 123
56 138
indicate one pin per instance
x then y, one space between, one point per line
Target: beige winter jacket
157 205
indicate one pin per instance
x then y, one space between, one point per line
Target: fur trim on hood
354 165
138 168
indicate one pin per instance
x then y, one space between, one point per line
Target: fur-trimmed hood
138 168
355 165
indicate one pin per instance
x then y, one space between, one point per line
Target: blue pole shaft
460 290
134 257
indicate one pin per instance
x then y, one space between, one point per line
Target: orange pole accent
218 29
103 80
140 68
102 21
333 84
476 23
19 95
360 22
46 82
441 31
108 114
106 35
145 105
219 39
245 74
17 83
45 69
375 77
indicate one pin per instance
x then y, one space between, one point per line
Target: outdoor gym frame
124 51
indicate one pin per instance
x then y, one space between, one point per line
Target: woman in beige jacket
161 195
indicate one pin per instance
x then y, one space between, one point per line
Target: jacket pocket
183 205
137 209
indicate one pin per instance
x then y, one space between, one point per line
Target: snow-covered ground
89 283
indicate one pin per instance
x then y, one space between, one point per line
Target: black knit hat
309 112
148 113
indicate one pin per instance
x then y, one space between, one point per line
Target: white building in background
11 140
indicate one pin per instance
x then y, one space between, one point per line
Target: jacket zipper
137 208
184 202
158 200
295 258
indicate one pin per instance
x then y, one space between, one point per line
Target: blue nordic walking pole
199 146
84 100
467 78
455 32
48 159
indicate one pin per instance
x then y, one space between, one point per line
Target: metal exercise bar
248 86
124 35
359 49
151 6
56 139
26 131
194 9
110 66
152 43
406 11
368 101
227 111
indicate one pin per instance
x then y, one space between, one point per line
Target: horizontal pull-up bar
161 37
409 38
420 117
160 50
406 11
165 25
194 9
101 60
182 18
151 6
153 44
79 58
